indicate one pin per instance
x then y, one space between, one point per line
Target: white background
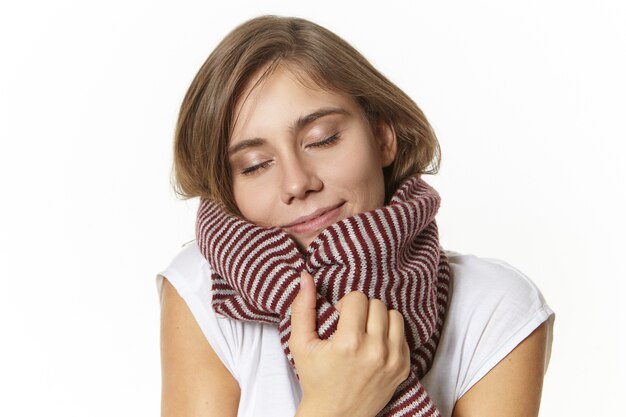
527 99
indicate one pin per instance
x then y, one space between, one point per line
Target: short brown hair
201 167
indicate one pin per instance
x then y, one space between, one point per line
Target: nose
298 180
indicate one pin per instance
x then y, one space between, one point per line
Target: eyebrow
298 125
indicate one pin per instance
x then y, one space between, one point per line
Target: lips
316 221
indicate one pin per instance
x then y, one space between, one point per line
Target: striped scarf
391 253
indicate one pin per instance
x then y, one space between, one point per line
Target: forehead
275 98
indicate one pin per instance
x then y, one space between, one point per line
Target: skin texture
369 346
299 169
196 383
513 387
297 152
194 380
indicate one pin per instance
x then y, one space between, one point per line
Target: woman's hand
357 372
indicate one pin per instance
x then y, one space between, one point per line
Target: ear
387 142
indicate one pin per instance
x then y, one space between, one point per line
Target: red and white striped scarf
391 253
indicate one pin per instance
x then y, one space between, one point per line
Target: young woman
316 285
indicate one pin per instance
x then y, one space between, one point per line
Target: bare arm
194 380
196 383
513 387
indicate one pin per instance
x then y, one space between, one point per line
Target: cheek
358 171
255 205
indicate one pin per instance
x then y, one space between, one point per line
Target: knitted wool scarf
391 253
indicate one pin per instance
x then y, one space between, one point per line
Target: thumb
303 313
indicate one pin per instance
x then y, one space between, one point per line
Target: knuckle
356 297
406 361
394 364
348 345
377 356
381 350
395 360
406 369
400 367
396 318
396 314
375 302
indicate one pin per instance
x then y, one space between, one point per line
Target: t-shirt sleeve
189 274
503 307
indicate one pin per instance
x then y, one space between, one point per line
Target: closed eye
329 141
325 143
256 168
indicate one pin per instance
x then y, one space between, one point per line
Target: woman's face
305 158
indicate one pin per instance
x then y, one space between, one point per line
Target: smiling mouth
318 220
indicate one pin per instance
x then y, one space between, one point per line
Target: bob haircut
314 54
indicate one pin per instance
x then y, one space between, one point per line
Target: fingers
303 313
377 321
399 351
354 310
359 315
396 328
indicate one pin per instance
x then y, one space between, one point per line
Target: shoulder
250 351
493 307
487 284
186 271
189 273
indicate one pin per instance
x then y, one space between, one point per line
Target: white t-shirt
493 307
